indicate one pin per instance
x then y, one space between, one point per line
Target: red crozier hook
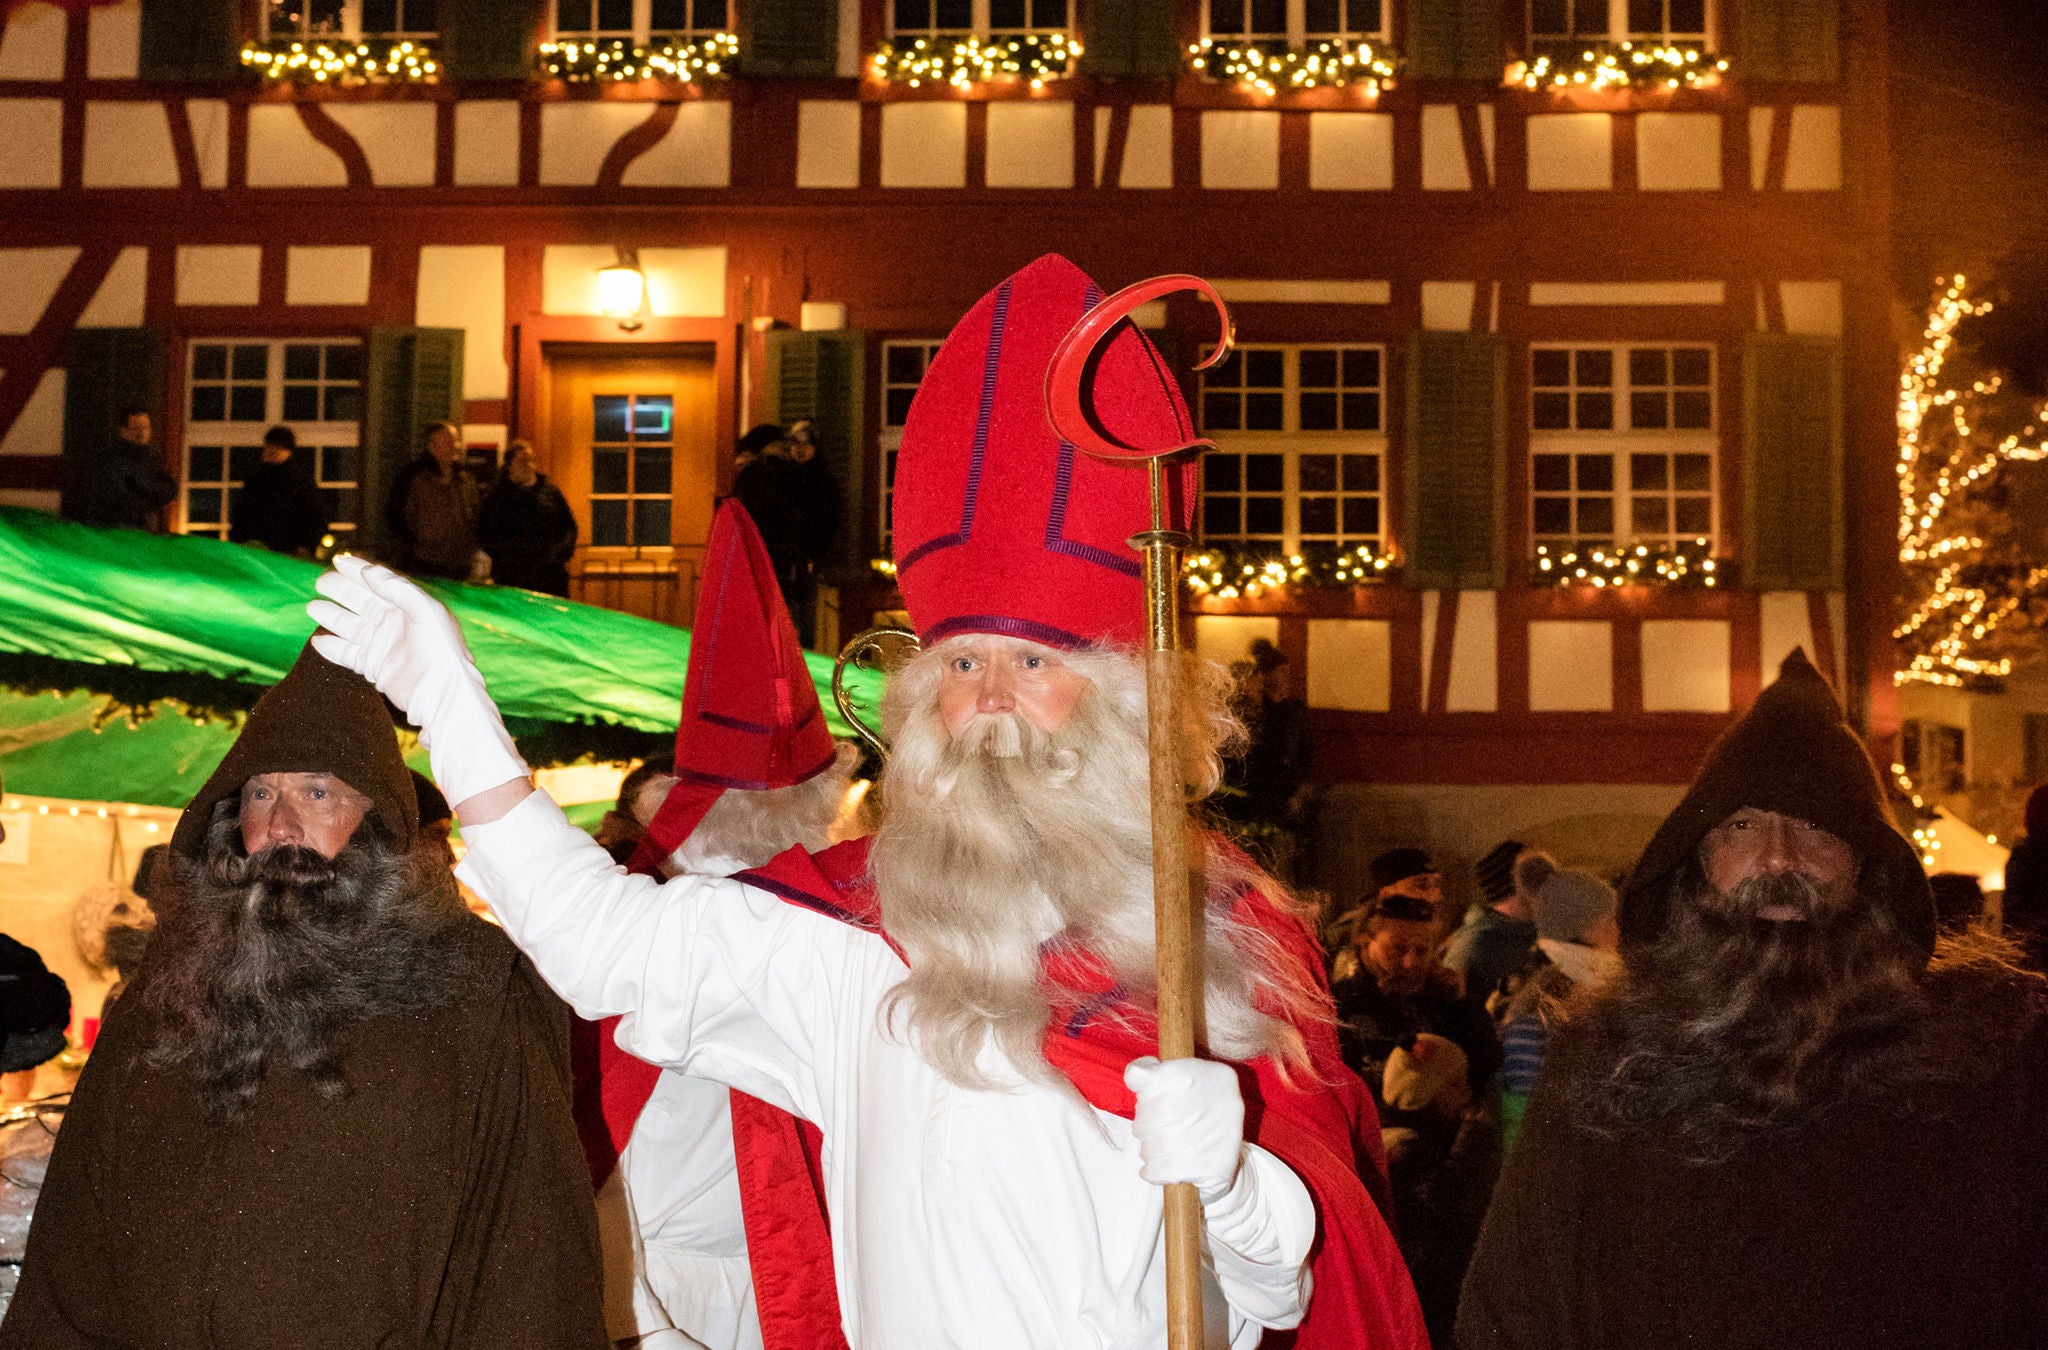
1064 402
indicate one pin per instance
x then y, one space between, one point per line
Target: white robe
1000 1220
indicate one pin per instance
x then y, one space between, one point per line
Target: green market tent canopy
130 654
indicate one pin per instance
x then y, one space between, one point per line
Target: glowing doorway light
622 291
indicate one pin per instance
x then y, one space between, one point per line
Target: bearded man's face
1002 678
1776 869
314 811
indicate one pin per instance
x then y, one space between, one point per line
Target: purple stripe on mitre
734 723
1002 625
991 367
1056 524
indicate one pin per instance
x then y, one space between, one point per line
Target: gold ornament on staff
864 651
1176 917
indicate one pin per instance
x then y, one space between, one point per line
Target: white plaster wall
113 41
1031 145
685 283
1443 150
463 286
696 152
1812 307
1241 150
1783 623
1350 151
1685 665
32 499
1759 146
32 44
209 118
1622 293
1228 637
487 143
29 277
828 143
1474 682
1350 664
1571 152
1813 154
40 428
924 145
31 142
576 137
219 274
568 277
337 274
282 153
122 299
129 145
1447 305
1148 148
396 138
1678 152
1571 665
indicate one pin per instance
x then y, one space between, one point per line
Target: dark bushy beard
1729 1026
271 957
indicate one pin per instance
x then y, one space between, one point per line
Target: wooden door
630 442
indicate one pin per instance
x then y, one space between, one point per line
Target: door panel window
632 470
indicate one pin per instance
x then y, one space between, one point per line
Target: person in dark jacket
1399 991
119 483
527 528
433 508
333 1108
279 505
1796 1117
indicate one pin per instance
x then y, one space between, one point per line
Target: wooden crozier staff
1177 915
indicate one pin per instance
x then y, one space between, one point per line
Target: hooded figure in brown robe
333 1108
1796 1119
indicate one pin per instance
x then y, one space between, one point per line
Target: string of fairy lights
338 61
962 62
1620 65
1234 573
613 59
1944 454
1337 64
1689 566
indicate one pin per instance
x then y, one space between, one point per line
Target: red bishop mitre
750 712
1001 526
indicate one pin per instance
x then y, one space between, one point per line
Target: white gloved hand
1189 1123
405 642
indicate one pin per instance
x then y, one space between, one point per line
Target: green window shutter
1455 40
1129 38
822 378
1792 463
412 376
489 39
1788 41
789 37
1456 470
105 371
184 41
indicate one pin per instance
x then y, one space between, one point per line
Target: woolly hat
1398 865
1415 1078
1001 525
1792 753
750 716
1496 871
319 718
1567 904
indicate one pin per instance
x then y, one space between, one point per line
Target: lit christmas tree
1971 586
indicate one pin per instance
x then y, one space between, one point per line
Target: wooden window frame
316 438
1618 28
642 31
1297 35
890 440
981 28
351 24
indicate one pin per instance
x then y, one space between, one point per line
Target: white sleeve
711 977
1260 1233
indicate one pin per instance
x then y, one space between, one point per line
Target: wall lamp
622 290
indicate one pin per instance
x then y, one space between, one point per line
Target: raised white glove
1189 1123
405 642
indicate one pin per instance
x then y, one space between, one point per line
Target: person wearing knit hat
1576 935
1407 871
333 1107
1494 944
965 1004
1796 1115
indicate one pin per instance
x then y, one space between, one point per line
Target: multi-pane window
237 390
903 368
641 20
1622 444
1299 447
1281 24
350 19
632 459
1555 24
977 18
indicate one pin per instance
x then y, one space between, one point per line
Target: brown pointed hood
319 718
1793 753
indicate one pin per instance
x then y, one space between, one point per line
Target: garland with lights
1233 573
338 61
588 61
1970 584
1324 65
1683 567
1620 65
967 61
